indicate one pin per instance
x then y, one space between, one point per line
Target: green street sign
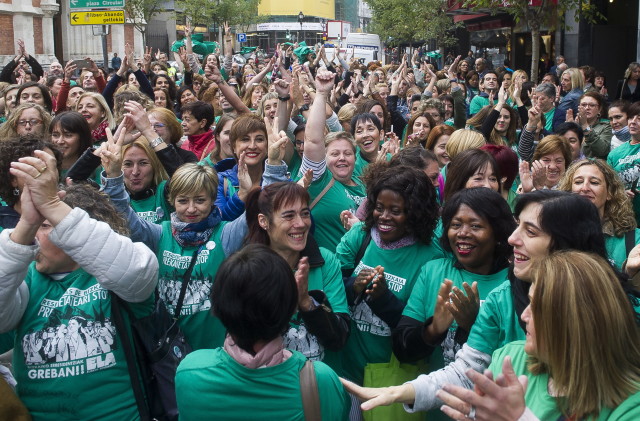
95 4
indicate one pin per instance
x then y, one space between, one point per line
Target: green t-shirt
477 103
68 356
548 119
370 338
625 160
154 208
294 166
200 327
361 164
423 298
617 248
326 213
326 278
497 322
537 398
211 385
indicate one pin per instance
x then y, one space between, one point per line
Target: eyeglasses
158 126
588 105
32 122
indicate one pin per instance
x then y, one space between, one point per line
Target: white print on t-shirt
73 340
449 346
362 314
629 175
356 199
196 297
297 338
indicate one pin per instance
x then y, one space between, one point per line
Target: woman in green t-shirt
382 257
581 356
278 215
446 297
255 296
598 182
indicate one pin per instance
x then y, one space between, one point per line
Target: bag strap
322 193
310 395
185 283
363 247
629 241
129 354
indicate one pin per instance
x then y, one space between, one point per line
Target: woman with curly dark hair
12 150
383 256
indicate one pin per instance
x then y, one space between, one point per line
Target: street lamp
300 19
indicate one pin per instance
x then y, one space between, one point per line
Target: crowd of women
472 228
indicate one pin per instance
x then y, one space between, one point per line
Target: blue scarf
622 134
196 233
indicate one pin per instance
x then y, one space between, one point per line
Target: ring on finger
43 170
39 174
472 413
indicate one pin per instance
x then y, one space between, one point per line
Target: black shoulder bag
160 346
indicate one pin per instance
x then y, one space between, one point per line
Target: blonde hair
103 104
159 173
463 139
586 333
8 129
333 136
512 87
170 121
190 179
346 112
577 80
618 211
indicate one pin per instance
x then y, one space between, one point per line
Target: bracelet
156 142
453 80
284 98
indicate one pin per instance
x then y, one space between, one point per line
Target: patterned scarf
622 134
100 132
407 240
196 233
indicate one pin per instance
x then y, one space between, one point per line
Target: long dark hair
74 122
464 166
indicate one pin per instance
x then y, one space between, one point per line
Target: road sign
110 17
95 4
241 37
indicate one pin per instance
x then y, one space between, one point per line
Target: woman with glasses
592 112
29 120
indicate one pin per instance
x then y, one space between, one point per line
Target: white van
367 47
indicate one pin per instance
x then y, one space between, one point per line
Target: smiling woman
278 215
476 225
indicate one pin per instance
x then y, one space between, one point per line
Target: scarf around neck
273 353
100 132
622 134
195 233
199 143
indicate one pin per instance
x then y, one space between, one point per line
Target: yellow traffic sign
110 17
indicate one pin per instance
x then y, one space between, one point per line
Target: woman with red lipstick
401 215
476 225
598 182
278 215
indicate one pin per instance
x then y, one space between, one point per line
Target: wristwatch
156 142
285 98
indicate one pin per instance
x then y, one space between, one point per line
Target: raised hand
111 153
39 174
282 87
213 74
69 68
442 317
302 280
464 308
324 81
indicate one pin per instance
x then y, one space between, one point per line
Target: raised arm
214 75
314 148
